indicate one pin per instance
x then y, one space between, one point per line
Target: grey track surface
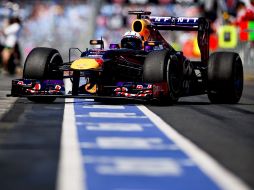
29 143
30 136
226 132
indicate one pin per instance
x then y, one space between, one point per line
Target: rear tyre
163 66
43 63
225 78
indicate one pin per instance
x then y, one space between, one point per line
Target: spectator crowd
62 24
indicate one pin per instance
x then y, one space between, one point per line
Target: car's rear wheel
163 66
225 77
42 64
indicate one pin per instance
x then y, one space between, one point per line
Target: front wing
56 88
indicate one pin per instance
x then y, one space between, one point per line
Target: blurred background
62 24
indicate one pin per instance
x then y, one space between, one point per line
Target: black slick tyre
225 78
163 66
43 63
154 69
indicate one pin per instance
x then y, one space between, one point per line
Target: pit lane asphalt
30 136
226 132
29 142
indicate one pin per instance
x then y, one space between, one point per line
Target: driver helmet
132 40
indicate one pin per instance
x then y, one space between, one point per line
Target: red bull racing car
143 66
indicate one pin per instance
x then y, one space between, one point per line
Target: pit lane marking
110 115
104 107
70 172
112 127
129 143
224 178
152 167
133 148
131 165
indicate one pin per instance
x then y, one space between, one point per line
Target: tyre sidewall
154 69
41 62
159 67
225 77
174 76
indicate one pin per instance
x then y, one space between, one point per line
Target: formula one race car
144 66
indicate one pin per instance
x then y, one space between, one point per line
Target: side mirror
97 42
114 46
152 43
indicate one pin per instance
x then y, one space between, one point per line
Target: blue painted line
123 150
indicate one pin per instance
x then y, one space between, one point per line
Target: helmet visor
131 43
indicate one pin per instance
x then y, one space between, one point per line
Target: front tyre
225 78
43 63
163 66
174 76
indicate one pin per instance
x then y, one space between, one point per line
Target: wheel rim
173 77
52 67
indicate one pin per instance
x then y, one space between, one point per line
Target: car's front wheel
163 66
43 64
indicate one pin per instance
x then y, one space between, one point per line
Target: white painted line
70 172
67 85
111 115
153 167
128 127
88 100
220 175
117 107
129 143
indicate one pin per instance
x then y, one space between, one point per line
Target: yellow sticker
91 88
85 64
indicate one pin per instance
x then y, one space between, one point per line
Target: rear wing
175 23
201 25
146 24
172 23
